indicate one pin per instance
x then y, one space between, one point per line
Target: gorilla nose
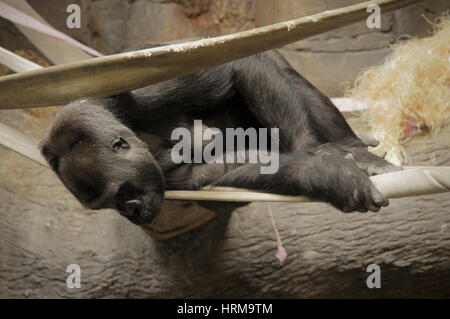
133 207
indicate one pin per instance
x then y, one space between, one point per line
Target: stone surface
323 68
44 229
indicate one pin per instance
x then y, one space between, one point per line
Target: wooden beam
123 72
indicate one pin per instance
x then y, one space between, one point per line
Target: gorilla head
103 163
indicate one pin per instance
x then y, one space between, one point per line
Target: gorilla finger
378 198
369 201
374 208
346 209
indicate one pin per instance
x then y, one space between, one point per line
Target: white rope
16 62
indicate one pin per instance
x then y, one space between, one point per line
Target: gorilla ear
119 144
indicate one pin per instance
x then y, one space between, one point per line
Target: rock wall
43 230
329 60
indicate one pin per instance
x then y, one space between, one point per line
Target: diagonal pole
123 72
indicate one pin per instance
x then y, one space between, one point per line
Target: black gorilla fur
115 152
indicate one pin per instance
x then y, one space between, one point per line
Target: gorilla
115 152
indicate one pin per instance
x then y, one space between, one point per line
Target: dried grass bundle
411 88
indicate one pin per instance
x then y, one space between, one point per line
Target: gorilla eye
119 144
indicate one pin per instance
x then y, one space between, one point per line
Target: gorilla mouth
135 204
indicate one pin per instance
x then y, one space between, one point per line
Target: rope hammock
35 86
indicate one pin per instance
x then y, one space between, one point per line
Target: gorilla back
115 152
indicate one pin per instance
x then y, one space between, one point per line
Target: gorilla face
103 163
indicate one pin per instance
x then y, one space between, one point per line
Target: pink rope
281 252
12 14
412 126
